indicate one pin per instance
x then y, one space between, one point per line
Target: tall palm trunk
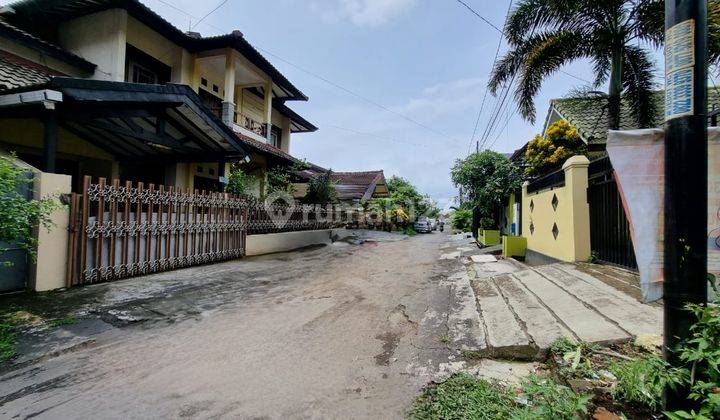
615 88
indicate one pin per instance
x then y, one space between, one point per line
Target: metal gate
609 229
122 231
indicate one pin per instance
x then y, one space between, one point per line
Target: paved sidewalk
507 309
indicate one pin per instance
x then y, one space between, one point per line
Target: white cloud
363 12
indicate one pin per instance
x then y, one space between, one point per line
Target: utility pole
686 157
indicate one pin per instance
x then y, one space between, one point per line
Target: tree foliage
545 35
487 179
18 215
321 190
238 181
544 154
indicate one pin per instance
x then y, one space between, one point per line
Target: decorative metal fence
121 231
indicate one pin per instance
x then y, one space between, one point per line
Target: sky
417 70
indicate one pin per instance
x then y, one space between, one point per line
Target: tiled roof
18 72
356 178
34 12
265 148
589 114
34 42
357 185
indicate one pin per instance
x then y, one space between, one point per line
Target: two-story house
108 88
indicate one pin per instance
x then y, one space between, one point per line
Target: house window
276 136
203 81
143 68
141 74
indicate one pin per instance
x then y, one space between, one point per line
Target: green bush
643 381
462 220
18 215
237 181
321 190
702 353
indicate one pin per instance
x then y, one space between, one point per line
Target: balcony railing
250 124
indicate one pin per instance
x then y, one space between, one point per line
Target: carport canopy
131 121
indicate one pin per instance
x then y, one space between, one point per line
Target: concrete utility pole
686 157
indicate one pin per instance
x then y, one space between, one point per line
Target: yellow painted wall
36 56
29 133
572 215
99 38
149 41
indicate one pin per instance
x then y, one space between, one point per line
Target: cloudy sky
417 70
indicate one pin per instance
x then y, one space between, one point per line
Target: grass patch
8 339
473 354
463 396
57 322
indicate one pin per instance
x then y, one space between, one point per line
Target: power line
322 78
482 105
362 133
473 11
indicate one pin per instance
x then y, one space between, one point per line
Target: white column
268 108
229 102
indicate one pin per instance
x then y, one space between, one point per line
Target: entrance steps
510 310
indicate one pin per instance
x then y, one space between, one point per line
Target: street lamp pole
686 157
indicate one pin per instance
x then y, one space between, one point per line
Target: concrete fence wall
50 268
270 243
556 221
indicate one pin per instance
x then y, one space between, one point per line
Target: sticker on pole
679 70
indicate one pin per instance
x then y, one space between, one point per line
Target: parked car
433 224
422 226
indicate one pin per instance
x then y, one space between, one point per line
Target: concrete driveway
344 331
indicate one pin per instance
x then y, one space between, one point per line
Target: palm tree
544 35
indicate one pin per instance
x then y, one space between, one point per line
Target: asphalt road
344 331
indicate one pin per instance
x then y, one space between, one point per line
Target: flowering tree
544 154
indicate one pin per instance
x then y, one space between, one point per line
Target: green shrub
18 215
642 381
237 181
702 353
321 190
462 220
549 400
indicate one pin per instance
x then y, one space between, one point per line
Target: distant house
108 88
351 187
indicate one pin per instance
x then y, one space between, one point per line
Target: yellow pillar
50 267
576 181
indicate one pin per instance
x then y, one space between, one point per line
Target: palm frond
638 85
532 16
650 22
551 52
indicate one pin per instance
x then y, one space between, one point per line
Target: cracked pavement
344 331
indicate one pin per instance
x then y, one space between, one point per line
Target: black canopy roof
140 122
